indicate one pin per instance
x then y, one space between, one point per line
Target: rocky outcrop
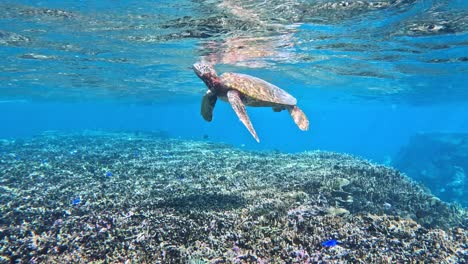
440 162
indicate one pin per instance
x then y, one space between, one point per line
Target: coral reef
440 162
143 198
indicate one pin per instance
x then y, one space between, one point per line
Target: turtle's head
204 70
207 73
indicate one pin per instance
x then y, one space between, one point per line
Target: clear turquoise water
369 74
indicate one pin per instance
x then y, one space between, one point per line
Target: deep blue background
371 130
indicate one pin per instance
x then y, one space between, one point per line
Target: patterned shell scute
257 88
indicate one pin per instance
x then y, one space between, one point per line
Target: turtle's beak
196 68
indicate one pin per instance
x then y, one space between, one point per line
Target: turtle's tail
299 117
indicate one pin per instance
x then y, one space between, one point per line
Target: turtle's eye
205 69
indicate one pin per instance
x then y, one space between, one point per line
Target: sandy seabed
98 197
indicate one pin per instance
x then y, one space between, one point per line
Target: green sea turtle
241 90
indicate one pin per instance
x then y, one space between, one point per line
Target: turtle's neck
212 81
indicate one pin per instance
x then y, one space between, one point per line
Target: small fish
387 206
73 152
44 161
109 174
76 201
330 243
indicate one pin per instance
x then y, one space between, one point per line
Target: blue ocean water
370 75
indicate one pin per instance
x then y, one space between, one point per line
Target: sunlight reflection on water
142 50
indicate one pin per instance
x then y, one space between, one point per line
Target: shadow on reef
204 201
440 162
143 198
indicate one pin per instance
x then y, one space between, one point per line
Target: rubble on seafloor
144 198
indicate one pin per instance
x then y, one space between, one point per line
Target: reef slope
143 198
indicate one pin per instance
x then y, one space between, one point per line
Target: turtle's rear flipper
208 104
299 117
239 108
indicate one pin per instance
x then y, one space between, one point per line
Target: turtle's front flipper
299 117
239 108
208 104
